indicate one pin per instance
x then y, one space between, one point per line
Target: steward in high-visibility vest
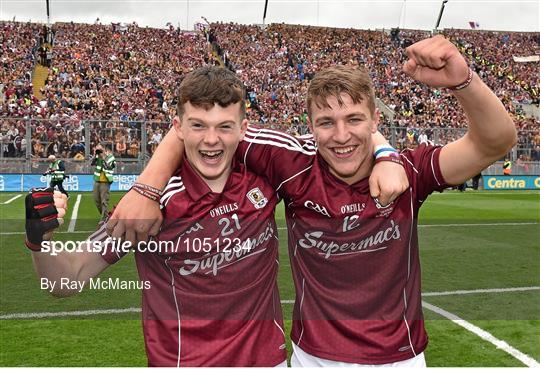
104 163
57 171
104 168
507 167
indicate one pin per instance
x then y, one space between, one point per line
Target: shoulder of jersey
174 186
303 144
407 154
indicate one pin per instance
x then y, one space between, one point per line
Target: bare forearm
491 134
490 126
165 160
70 267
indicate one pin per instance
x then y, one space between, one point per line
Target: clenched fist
45 211
436 62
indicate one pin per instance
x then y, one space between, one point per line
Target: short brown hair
204 87
337 80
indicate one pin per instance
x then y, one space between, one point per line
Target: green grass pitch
468 241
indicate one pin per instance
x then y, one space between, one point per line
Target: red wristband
466 83
393 158
148 194
143 186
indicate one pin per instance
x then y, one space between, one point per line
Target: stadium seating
121 80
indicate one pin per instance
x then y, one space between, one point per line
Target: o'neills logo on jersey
224 209
353 208
367 244
318 208
257 198
212 263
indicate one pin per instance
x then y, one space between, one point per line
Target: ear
375 120
177 124
243 128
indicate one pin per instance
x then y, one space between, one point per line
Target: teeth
211 153
343 150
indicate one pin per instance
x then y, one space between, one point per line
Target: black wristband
41 216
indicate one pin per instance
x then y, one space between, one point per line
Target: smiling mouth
211 156
343 152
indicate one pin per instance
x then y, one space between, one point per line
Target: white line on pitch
68 313
12 199
491 290
40 315
464 292
477 224
500 344
74 213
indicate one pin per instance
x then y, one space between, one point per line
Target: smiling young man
355 262
210 295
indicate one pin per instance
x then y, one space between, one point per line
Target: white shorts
300 358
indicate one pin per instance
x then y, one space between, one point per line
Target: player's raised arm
137 217
45 210
491 134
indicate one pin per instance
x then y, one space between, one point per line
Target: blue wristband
384 149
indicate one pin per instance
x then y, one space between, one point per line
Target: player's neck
218 184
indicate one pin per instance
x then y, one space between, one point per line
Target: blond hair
337 80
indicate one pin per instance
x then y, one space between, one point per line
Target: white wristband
385 150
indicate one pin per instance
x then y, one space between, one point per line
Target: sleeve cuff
436 169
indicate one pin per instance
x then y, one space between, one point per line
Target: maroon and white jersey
213 297
355 264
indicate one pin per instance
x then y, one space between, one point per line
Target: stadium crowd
287 57
117 76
